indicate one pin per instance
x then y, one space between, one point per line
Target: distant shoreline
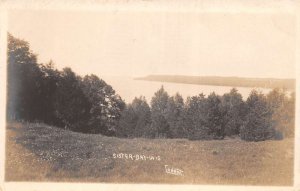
288 84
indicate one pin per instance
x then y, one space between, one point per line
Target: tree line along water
40 92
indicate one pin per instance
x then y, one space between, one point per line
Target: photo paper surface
150 95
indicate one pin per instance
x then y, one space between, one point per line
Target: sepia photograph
150 96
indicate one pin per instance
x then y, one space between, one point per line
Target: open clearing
38 152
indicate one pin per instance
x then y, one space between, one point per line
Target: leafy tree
93 89
23 82
51 77
290 115
71 105
258 124
234 112
135 119
114 106
105 105
283 109
175 116
158 114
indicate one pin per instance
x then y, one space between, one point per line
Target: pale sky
143 43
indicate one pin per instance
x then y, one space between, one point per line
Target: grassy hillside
224 81
38 152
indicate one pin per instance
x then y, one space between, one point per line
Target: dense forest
224 81
38 92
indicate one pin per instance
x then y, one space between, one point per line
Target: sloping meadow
38 152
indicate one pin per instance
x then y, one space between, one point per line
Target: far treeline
40 93
288 84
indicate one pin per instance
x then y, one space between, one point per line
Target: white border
3 41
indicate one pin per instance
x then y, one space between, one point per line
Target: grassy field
38 152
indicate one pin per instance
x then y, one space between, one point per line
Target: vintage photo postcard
150 95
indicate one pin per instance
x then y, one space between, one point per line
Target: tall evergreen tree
142 110
234 112
196 118
175 116
258 124
159 122
215 116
